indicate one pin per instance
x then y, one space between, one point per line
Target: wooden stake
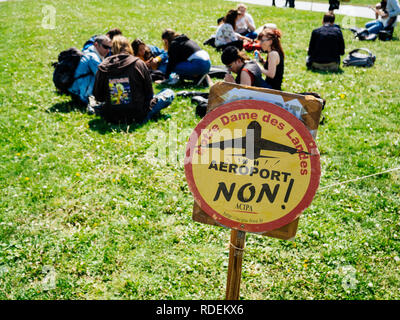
236 250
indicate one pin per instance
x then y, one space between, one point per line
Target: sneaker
173 79
94 109
90 110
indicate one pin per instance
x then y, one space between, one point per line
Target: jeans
252 35
192 69
164 99
374 26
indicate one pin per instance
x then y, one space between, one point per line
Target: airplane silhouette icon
254 144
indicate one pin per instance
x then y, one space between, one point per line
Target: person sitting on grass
111 33
123 84
154 57
245 23
274 65
185 58
248 72
226 35
85 73
386 16
326 46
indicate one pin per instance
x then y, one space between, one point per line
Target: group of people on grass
114 77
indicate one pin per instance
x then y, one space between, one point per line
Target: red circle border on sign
295 123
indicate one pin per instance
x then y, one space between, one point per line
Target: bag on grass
64 69
385 35
358 59
251 46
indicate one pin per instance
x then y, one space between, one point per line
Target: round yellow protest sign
252 166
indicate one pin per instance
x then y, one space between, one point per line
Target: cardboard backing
306 108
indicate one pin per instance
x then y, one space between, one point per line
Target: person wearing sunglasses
248 72
82 87
123 84
111 33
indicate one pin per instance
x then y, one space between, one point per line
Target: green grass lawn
90 211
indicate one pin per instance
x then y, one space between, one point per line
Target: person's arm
100 89
93 62
172 60
273 61
243 37
245 78
250 22
393 8
229 78
341 44
159 53
311 45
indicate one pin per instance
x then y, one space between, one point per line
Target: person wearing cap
248 72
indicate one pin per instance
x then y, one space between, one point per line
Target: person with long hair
154 57
123 84
185 57
226 35
274 64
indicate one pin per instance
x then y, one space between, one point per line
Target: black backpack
63 75
355 58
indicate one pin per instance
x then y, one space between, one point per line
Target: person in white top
226 34
245 23
387 16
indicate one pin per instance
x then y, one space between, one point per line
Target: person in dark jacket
333 5
248 72
124 84
326 46
185 57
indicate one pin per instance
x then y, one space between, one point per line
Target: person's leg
164 99
251 35
369 24
192 69
375 28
